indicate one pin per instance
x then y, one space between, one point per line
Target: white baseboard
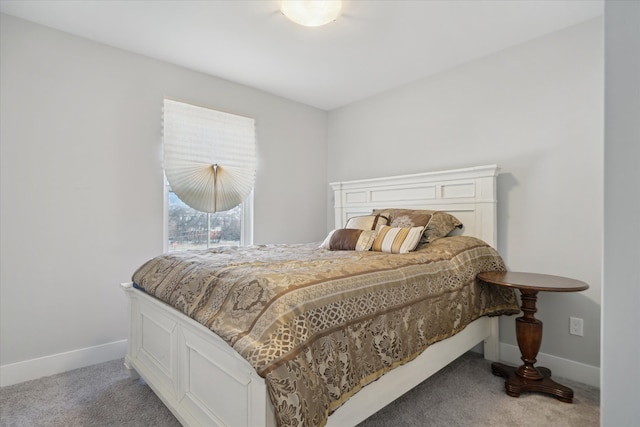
15 373
560 367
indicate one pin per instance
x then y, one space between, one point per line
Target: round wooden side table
529 332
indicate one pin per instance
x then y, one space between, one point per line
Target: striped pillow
397 240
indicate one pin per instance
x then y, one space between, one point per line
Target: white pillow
367 222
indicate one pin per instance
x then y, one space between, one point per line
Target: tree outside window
192 229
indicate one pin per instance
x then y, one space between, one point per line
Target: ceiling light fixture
311 13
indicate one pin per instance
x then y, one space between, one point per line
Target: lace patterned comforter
319 325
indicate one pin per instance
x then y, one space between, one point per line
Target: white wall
536 110
82 182
82 185
621 276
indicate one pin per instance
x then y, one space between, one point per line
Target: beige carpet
465 393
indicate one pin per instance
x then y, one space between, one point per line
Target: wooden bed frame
203 381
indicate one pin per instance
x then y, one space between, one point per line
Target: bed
295 323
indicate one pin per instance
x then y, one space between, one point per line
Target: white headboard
469 194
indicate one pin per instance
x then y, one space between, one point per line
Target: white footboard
204 382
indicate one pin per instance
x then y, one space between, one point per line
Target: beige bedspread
319 325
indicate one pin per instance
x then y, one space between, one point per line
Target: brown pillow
437 224
349 239
441 225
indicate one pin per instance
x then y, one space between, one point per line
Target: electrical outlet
575 326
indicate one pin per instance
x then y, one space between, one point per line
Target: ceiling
372 47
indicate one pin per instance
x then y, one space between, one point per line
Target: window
209 164
187 228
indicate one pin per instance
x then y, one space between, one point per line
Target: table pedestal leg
527 377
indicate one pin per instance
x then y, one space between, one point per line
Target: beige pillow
437 224
397 240
346 239
366 222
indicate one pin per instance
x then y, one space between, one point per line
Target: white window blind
209 156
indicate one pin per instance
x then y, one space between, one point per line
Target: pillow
441 225
366 222
347 239
397 240
437 224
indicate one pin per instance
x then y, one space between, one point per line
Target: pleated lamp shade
209 156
